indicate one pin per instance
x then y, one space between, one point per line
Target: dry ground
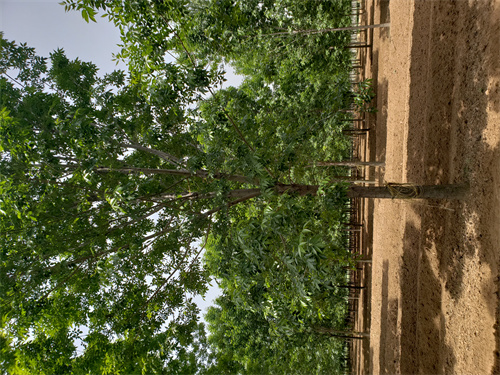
435 271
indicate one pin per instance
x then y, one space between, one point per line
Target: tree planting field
123 196
434 286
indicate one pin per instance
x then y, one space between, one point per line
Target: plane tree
244 342
101 211
259 35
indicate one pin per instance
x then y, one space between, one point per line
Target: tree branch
252 193
163 155
180 172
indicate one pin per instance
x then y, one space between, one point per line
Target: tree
244 342
152 34
240 341
89 243
203 33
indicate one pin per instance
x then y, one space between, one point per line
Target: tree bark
179 172
236 193
353 46
349 164
363 261
349 28
334 332
163 155
454 191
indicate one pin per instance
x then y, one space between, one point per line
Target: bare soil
433 304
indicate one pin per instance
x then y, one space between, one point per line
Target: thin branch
112 250
159 288
79 262
182 42
180 172
176 183
15 80
252 193
154 210
203 247
163 155
58 284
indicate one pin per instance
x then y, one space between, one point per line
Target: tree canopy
99 218
247 344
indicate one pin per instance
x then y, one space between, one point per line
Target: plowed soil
435 271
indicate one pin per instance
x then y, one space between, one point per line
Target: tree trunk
236 193
392 191
363 261
421 192
356 46
364 130
357 287
334 332
349 164
349 28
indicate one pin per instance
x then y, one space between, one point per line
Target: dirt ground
435 272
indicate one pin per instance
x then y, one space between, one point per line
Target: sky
45 25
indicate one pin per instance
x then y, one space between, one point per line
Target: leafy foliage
282 261
88 240
247 344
